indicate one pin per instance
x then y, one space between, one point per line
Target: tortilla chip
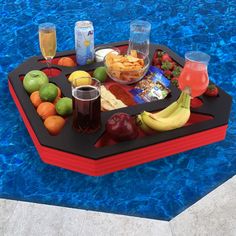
133 53
117 64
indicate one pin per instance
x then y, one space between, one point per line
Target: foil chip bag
154 86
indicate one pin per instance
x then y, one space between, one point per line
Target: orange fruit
56 100
35 98
59 92
46 109
54 124
58 96
66 61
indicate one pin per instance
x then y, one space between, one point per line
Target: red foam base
120 161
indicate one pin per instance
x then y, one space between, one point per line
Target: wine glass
194 76
48 42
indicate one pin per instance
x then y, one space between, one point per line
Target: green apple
33 80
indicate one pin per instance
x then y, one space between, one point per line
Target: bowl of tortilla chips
126 68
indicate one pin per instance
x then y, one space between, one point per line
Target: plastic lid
84 24
197 56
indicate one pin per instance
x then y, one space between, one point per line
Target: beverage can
84 42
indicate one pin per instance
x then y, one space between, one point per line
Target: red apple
121 127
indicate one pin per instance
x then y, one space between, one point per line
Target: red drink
194 76
86 108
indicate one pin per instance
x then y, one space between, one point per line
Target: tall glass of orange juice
48 42
194 76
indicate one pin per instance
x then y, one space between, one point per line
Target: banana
175 120
142 125
170 109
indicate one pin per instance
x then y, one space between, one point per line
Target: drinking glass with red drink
194 76
86 105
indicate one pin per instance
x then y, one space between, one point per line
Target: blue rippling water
160 189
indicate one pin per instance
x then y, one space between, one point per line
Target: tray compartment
106 140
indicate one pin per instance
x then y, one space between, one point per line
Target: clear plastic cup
139 36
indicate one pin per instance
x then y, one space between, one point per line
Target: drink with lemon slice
84 42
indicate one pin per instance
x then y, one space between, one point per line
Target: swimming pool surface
160 189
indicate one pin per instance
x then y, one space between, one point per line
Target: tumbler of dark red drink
86 105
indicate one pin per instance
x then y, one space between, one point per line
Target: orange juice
194 77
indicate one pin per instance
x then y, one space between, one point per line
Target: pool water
160 189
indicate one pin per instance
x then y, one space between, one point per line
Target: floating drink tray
78 152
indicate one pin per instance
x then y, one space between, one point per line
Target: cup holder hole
196 103
51 72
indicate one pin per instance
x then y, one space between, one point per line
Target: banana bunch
172 117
